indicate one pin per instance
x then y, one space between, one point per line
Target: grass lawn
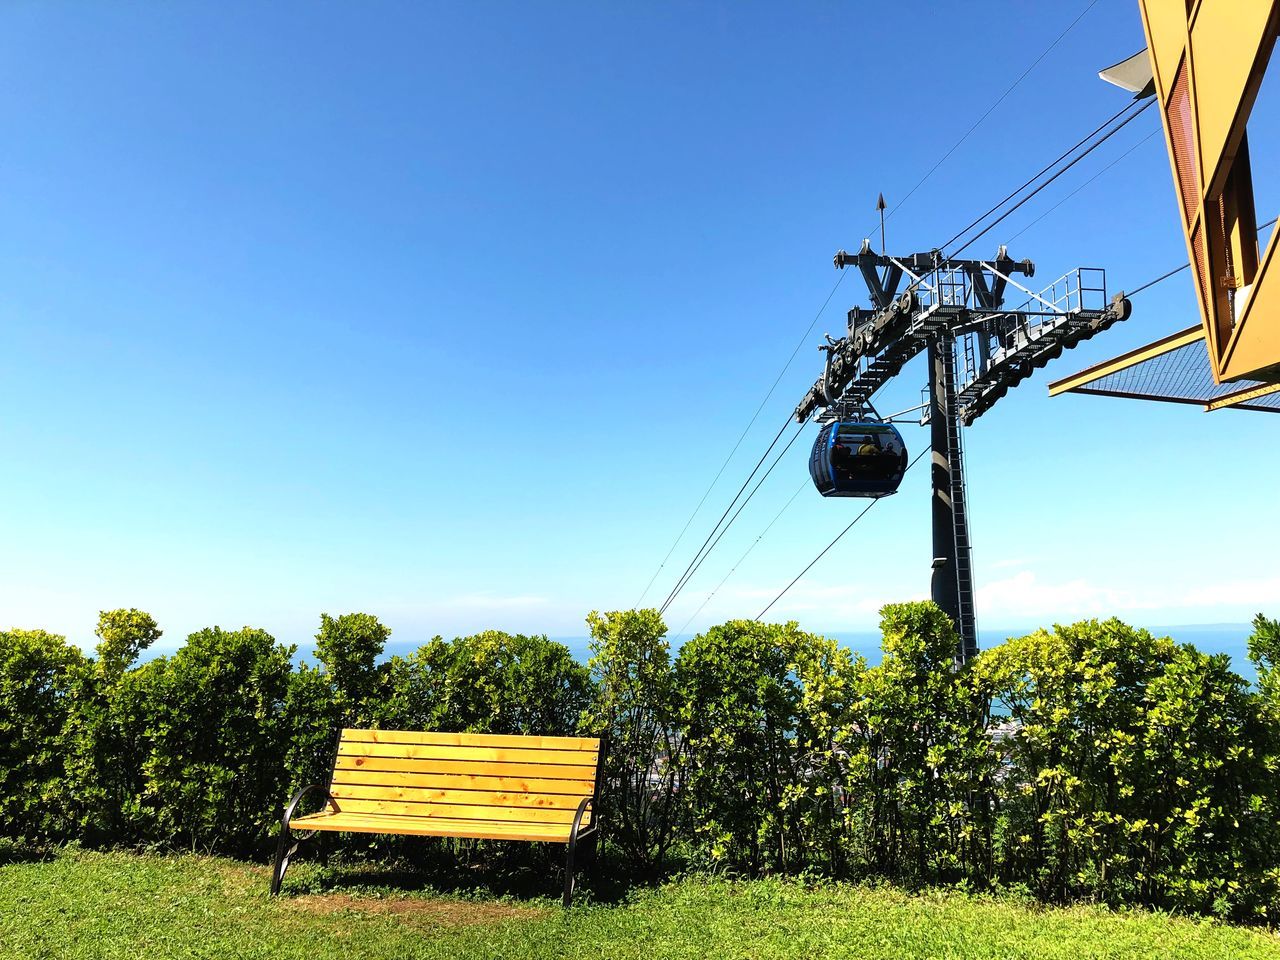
115 905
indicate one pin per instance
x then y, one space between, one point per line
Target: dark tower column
952 582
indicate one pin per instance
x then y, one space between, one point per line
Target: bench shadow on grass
460 869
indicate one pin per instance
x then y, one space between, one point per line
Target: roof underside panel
1178 374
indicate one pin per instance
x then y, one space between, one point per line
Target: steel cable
836 540
991 109
680 582
746 553
1092 147
755 416
680 586
1040 173
1185 266
1082 186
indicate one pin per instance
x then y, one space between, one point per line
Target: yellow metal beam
1243 396
1126 360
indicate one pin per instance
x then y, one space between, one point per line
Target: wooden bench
473 785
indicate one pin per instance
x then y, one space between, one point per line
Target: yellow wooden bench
474 785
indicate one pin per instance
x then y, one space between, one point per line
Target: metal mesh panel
1182 132
1197 248
1181 376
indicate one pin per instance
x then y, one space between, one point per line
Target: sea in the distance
1228 638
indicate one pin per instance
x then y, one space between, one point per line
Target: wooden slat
446 781
579 758
421 827
459 785
547 771
475 798
434 823
456 811
487 740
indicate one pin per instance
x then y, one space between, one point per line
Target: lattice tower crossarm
966 299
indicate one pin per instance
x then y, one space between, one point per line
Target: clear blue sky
449 312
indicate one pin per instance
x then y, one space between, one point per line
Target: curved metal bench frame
310 837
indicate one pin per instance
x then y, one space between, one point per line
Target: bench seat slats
432 827
579 758
540 771
456 811
491 740
474 798
453 781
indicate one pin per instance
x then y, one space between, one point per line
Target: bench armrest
576 830
297 798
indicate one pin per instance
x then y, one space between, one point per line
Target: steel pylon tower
977 348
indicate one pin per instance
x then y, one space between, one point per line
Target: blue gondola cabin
863 458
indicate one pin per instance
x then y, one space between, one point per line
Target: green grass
114 905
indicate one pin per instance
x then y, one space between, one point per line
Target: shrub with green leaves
636 711
918 762
313 717
38 673
1093 761
492 682
1137 769
1264 651
215 738
347 689
102 740
348 647
759 709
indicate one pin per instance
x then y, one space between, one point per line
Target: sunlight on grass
93 905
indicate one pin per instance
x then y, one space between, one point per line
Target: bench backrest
464 775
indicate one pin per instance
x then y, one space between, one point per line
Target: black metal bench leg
572 846
568 872
283 853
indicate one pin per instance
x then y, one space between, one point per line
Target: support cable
836 540
1092 147
1081 187
1184 266
1163 276
1088 150
785 367
1041 172
991 109
746 553
684 576
689 576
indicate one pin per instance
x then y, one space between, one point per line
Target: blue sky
450 312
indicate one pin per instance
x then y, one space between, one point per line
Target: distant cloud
1025 596
1260 593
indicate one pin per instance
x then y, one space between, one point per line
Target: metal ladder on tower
968 626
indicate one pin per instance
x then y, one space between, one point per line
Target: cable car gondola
860 457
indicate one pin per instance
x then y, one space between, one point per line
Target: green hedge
1093 761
